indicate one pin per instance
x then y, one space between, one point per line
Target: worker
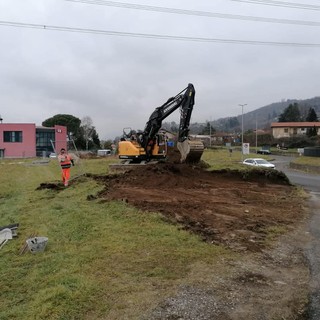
66 162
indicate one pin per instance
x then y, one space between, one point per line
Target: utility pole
256 134
242 105
210 132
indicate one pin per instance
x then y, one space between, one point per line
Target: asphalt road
311 183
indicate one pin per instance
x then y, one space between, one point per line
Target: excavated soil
244 211
230 208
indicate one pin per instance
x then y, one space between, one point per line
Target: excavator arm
183 100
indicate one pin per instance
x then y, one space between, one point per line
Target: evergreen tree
71 122
312 115
95 139
312 132
290 114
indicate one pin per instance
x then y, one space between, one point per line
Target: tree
89 138
72 123
82 132
312 115
312 132
95 139
290 114
87 129
107 144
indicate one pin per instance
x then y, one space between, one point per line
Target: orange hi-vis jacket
65 161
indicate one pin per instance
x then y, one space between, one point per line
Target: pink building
25 140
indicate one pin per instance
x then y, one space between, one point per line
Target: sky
96 58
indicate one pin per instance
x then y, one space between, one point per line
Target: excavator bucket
190 150
184 150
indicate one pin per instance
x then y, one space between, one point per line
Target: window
286 130
44 137
12 136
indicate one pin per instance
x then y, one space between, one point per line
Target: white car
258 162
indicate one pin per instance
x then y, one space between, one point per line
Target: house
293 129
26 140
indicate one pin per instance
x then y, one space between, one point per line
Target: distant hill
264 115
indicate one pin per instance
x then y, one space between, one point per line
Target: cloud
118 81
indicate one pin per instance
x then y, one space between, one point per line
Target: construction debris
5 235
13 227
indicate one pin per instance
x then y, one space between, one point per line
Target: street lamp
256 134
242 105
210 132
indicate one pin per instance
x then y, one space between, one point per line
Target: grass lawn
104 260
311 161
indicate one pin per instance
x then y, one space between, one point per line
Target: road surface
311 183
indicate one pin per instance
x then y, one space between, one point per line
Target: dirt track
231 208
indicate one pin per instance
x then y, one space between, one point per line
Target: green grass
311 161
104 260
221 158
273 232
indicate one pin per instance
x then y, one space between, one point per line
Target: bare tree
87 129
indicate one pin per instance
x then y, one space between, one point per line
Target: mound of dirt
53 186
233 208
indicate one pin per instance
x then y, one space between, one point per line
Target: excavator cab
131 151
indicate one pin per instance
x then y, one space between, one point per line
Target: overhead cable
283 4
196 13
156 36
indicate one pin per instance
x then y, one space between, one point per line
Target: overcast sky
118 80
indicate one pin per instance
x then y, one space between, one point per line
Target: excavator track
126 165
189 151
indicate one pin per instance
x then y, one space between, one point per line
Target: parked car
264 151
104 152
52 155
258 162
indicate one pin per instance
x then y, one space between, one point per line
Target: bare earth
235 210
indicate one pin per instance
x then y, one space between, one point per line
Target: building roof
294 124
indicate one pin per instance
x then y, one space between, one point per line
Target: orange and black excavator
151 144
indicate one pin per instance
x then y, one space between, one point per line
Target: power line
156 36
197 13
282 4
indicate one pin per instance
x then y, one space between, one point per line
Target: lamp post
242 105
256 134
210 132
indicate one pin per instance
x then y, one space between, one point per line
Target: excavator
152 145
